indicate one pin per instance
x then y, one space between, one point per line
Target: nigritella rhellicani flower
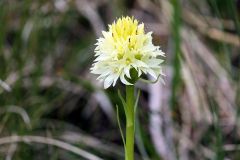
125 47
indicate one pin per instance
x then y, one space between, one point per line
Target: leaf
120 128
123 102
136 102
151 82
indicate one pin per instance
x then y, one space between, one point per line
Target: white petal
123 80
102 57
139 72
160 52
141 64
104 74
107 84
105 34
144 70
127 72
115 80
108 81
152 73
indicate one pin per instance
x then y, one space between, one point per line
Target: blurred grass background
48 96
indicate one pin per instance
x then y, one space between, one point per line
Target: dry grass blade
21 112
106 148
5 86
49 141
213 33
218 80
90 13
159 118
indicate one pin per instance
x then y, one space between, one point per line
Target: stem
130 123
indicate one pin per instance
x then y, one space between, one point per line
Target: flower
126 46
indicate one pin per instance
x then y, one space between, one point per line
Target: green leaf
152 82
136 102
123 102
120 128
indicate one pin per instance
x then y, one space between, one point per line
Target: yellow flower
123 47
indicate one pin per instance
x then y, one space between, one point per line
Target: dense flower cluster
123 47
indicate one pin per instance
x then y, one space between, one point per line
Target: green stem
130 123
